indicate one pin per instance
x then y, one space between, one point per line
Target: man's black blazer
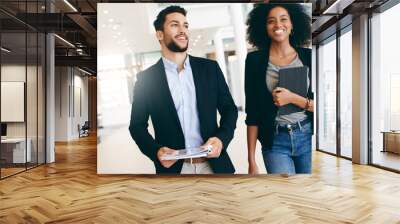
260 108
152 98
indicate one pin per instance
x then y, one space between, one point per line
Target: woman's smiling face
279 24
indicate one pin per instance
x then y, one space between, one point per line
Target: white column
360 90
220 53
241 47
50 98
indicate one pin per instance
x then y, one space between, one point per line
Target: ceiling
331 15
121 31
73 20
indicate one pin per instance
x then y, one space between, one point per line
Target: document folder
187 154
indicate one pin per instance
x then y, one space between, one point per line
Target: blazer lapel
166 94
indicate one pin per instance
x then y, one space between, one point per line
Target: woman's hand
282 96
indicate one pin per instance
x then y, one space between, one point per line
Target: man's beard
172 46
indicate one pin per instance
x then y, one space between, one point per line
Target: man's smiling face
175 34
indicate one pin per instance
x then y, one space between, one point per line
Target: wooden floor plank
70 191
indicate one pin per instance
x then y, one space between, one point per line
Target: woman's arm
302 102
252 133
252 109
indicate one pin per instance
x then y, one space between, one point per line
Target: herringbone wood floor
70 191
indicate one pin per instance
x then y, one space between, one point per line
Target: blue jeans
290 152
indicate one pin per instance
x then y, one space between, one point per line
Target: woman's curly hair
257 25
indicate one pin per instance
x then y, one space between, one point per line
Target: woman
278 31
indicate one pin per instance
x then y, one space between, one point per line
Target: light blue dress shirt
183 91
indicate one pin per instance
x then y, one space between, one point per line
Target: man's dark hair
257 25
159 22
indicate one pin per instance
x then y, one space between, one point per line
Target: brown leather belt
196 160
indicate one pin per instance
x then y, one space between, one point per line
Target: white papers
187 153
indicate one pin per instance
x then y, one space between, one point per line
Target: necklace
283 56
280 56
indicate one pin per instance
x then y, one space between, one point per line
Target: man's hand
164 151
216 145
282 96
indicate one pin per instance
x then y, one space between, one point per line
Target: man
182 94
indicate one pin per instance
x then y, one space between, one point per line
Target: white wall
61 103
70 83
79 117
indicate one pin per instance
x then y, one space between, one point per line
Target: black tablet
296 80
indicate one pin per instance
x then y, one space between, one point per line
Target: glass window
385 89
15 150
346 94
22 92
327 96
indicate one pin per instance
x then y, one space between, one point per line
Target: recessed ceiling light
84 71
5 50
105 11
71 6
333 8
64 40
111 20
